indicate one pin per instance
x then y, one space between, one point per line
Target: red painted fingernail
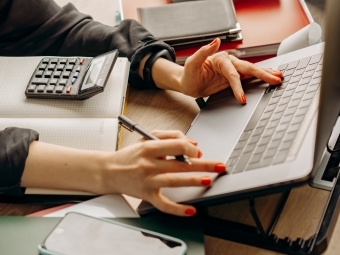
190 211
243 98
199 153
192 141
213 42
206 181
220 168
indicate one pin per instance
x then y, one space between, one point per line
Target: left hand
206 73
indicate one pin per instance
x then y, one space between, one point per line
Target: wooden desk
170 110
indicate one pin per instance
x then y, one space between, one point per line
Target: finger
274 72
228 70
165 205
170 147
197 165
247 68
172 180
196 60
168 134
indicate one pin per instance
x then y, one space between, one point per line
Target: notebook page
80 133
15 73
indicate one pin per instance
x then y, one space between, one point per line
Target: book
191 21
90 124
106 206
264 25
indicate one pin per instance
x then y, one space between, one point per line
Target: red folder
264 24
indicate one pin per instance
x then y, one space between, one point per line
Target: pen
131 126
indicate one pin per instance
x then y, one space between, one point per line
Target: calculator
71 77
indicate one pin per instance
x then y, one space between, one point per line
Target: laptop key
311 66
242 162
281 157
245 135
249 147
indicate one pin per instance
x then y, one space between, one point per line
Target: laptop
276 140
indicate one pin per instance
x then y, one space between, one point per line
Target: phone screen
80 234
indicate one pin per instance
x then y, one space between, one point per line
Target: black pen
131 126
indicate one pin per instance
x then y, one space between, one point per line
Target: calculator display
93 72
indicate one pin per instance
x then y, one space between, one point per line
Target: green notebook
21 235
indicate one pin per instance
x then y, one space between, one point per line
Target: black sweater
42 28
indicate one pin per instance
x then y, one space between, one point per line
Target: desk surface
304 207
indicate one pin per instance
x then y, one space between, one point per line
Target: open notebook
89 124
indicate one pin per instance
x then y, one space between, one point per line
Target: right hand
141 170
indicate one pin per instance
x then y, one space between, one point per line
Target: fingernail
243 98
190 211
192 141
206 181
199 153
220 168
213 42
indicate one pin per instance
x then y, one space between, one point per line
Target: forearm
56 167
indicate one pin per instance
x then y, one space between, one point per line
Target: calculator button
51 67
81 61
72 61
66 74
54 61
45 60
39 74
62 61
48 74
42 81
50 88
42 67
53 81
41 88
78 69
31 88
60 67
69 68
69 88
59 89
56 74
63 82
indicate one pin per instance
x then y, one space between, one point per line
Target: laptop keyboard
271 131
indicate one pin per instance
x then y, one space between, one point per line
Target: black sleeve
41 27
14 144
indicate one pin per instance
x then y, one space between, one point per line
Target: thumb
198 58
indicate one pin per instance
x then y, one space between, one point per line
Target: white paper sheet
307 36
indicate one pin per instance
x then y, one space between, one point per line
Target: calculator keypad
56 75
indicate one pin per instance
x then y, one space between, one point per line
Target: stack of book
191 22
265 24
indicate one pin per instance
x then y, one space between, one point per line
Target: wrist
167 75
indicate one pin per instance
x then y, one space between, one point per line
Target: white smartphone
82 234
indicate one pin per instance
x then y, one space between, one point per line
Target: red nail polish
243 98
199 153
190 211
206 181
192 141
220 168
213 42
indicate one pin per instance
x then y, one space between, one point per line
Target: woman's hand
141 170
206 73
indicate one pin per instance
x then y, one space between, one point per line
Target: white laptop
278 138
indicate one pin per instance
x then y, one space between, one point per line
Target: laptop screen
329 107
